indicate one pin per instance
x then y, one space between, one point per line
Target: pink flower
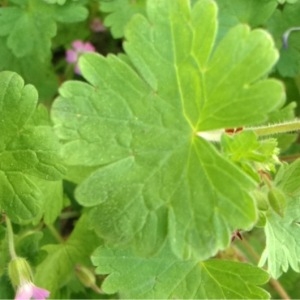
79 47
28 290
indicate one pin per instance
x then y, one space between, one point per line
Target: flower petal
78 45
39 293
88 47
71 56
28 290
24 292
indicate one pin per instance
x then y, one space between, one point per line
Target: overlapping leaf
139 119
26 151
166 277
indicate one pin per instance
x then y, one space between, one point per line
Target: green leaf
53 203
252 154
287 1
40 73
139 119
119 14
290 281
71 12
26 151
277 200
252 12
287 178
282 242
30 25
58 268
6 291
28 245
281 21
60 2
165 277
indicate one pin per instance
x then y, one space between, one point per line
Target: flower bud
87 278
19 271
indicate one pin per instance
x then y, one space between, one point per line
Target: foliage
136 174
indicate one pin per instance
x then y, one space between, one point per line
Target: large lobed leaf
165 277
138 120
26 151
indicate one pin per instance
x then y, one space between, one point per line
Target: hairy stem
284 127
10 237
264 130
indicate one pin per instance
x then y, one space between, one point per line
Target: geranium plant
149 149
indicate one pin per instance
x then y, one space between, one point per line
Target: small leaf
252 154
165 277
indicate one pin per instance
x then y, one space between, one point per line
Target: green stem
55 234
285 127
10 237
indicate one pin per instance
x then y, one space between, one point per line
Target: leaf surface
26 151
164 276
139 116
